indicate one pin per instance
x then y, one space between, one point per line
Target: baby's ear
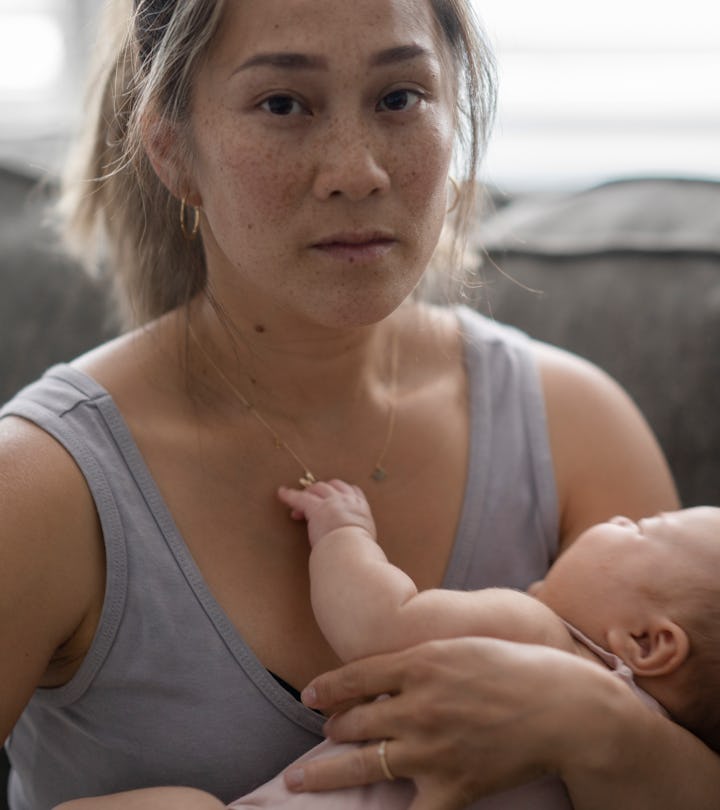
658 650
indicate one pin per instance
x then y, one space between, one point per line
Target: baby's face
616 570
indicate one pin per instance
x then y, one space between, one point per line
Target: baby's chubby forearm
364 605
356 593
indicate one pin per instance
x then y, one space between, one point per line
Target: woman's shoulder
606 457
33 464
51 558
130 350
44 496
135 366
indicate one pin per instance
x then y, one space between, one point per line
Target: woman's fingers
372 720
362 765
358 681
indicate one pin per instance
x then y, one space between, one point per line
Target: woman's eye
282 105
399 100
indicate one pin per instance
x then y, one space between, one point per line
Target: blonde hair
117 215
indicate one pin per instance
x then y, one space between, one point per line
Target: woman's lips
356 247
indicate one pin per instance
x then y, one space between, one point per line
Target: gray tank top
169 692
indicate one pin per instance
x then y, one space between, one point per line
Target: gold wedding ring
382 756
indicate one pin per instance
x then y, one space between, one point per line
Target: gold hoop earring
189 234
458 194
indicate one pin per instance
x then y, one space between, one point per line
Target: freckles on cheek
425 167
425 188
267 187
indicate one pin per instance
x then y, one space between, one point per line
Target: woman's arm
51 567
607 461
162 798
52 576
640 760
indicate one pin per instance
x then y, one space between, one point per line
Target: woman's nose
350 165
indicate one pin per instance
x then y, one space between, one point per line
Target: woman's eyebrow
285 60
400 53
288 60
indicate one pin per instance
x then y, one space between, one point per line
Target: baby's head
650 593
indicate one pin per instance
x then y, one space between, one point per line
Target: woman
270 184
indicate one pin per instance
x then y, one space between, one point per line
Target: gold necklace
379 473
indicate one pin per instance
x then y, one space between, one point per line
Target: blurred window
26 73
43 50
595 90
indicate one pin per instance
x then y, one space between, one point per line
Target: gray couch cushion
644 215
627 275
49 309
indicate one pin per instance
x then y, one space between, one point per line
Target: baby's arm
354 589
365 605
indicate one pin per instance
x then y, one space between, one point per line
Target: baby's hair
699 708
115 211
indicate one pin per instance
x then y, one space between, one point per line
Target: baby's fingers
296 499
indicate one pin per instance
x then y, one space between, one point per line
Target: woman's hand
465 718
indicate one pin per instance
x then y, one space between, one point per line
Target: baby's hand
327 506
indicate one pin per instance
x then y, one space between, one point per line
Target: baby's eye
399 100
282 105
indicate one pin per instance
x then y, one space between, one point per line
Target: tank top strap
508 532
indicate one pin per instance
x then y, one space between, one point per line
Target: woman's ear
161 143
658 649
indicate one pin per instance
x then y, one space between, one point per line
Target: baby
641 598
638 598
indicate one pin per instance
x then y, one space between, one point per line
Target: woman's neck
289 370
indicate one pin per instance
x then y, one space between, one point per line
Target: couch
626 274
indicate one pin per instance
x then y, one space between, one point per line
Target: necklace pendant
378 474
307 479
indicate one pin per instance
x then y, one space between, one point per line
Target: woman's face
322 132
